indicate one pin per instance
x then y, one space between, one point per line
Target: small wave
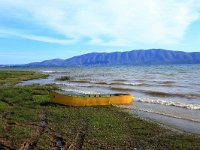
102 82
113 83
164 94
48 71
169 103
121 89
163 83
140 80
194 95
158 93
88 86
64 84
167 82
141 84
122 83
119 83
131 84
80 81
153 93
120 80
80 91
53 71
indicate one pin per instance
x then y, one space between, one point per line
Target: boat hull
93 100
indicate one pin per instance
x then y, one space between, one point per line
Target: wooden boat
90 99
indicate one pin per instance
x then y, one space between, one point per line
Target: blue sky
38 30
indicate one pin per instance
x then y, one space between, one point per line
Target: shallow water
168 94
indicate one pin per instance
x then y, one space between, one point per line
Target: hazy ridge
134 57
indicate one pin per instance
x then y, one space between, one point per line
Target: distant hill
134 57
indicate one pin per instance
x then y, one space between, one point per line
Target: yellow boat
90 99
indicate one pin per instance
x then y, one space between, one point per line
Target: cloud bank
105 22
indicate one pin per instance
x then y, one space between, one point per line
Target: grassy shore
29 121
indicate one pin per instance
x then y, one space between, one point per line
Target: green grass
22 108
13 77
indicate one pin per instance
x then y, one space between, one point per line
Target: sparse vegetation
64 78
28 120
13 77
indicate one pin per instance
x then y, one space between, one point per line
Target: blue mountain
134 57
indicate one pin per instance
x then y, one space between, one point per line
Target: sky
36 30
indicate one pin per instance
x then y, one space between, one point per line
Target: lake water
166 94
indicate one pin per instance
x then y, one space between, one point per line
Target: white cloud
8 32
47 39
125 22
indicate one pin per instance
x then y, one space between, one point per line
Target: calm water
166 94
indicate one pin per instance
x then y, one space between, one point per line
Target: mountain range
134 57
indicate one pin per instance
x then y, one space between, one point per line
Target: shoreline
30 117
172 128
178 124
146 115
